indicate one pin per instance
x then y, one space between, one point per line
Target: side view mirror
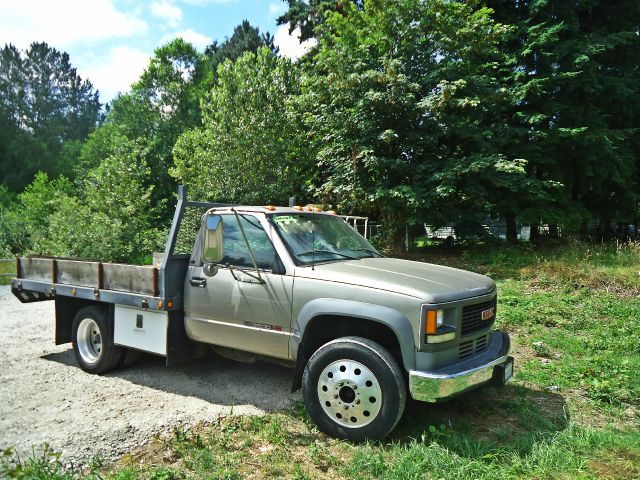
212 251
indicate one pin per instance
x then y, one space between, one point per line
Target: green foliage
46 112
44 464
160 106
250 148
245 38
115 218
25 223
406 104
306 15
408 111
578 88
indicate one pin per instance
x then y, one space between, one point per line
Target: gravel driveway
45 397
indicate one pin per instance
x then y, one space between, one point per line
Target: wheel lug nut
358 402
341 384
335 396
355 387
346 407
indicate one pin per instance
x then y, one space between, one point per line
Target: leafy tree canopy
46 112
251 147
306 15
245 38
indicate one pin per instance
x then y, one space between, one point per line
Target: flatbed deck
42 278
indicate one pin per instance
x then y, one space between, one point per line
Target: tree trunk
534 234
553 230
584 230
512 229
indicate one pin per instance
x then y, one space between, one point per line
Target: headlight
435 328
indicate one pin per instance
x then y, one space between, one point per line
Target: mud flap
180 348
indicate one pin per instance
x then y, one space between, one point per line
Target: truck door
231 308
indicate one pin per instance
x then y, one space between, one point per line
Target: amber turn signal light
430 326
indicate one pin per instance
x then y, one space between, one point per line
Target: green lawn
572 411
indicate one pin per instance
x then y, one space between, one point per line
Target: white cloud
276 8
115 73
166 10
63 23
290 45
196 39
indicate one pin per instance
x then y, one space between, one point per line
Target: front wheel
93 347
354 389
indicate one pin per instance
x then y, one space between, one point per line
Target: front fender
393 319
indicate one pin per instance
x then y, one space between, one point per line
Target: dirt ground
46 398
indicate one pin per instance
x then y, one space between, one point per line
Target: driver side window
235 249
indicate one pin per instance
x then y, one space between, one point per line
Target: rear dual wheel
92 344
354 389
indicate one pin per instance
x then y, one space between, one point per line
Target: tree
162 104
245 38
580 96
46 112
307 15
251 147
25 223
406 103
114 218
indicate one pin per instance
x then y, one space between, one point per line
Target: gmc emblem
488 313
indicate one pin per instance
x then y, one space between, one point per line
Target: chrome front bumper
450 381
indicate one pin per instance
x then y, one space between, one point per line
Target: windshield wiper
366 250
257 225
312 252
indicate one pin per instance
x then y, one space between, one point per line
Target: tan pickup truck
292 284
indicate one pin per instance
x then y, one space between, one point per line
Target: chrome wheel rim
349 393
89 340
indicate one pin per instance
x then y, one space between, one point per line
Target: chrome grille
472 317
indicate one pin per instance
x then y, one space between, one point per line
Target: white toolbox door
140 329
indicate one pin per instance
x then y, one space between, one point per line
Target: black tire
90 326
346 416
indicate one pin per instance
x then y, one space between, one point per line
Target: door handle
198 282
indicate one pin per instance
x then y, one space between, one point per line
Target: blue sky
110 41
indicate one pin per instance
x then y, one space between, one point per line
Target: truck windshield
320 238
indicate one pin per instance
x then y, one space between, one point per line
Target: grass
7 266
572 411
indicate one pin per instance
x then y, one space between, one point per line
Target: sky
110 41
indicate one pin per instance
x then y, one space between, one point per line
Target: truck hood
428 282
